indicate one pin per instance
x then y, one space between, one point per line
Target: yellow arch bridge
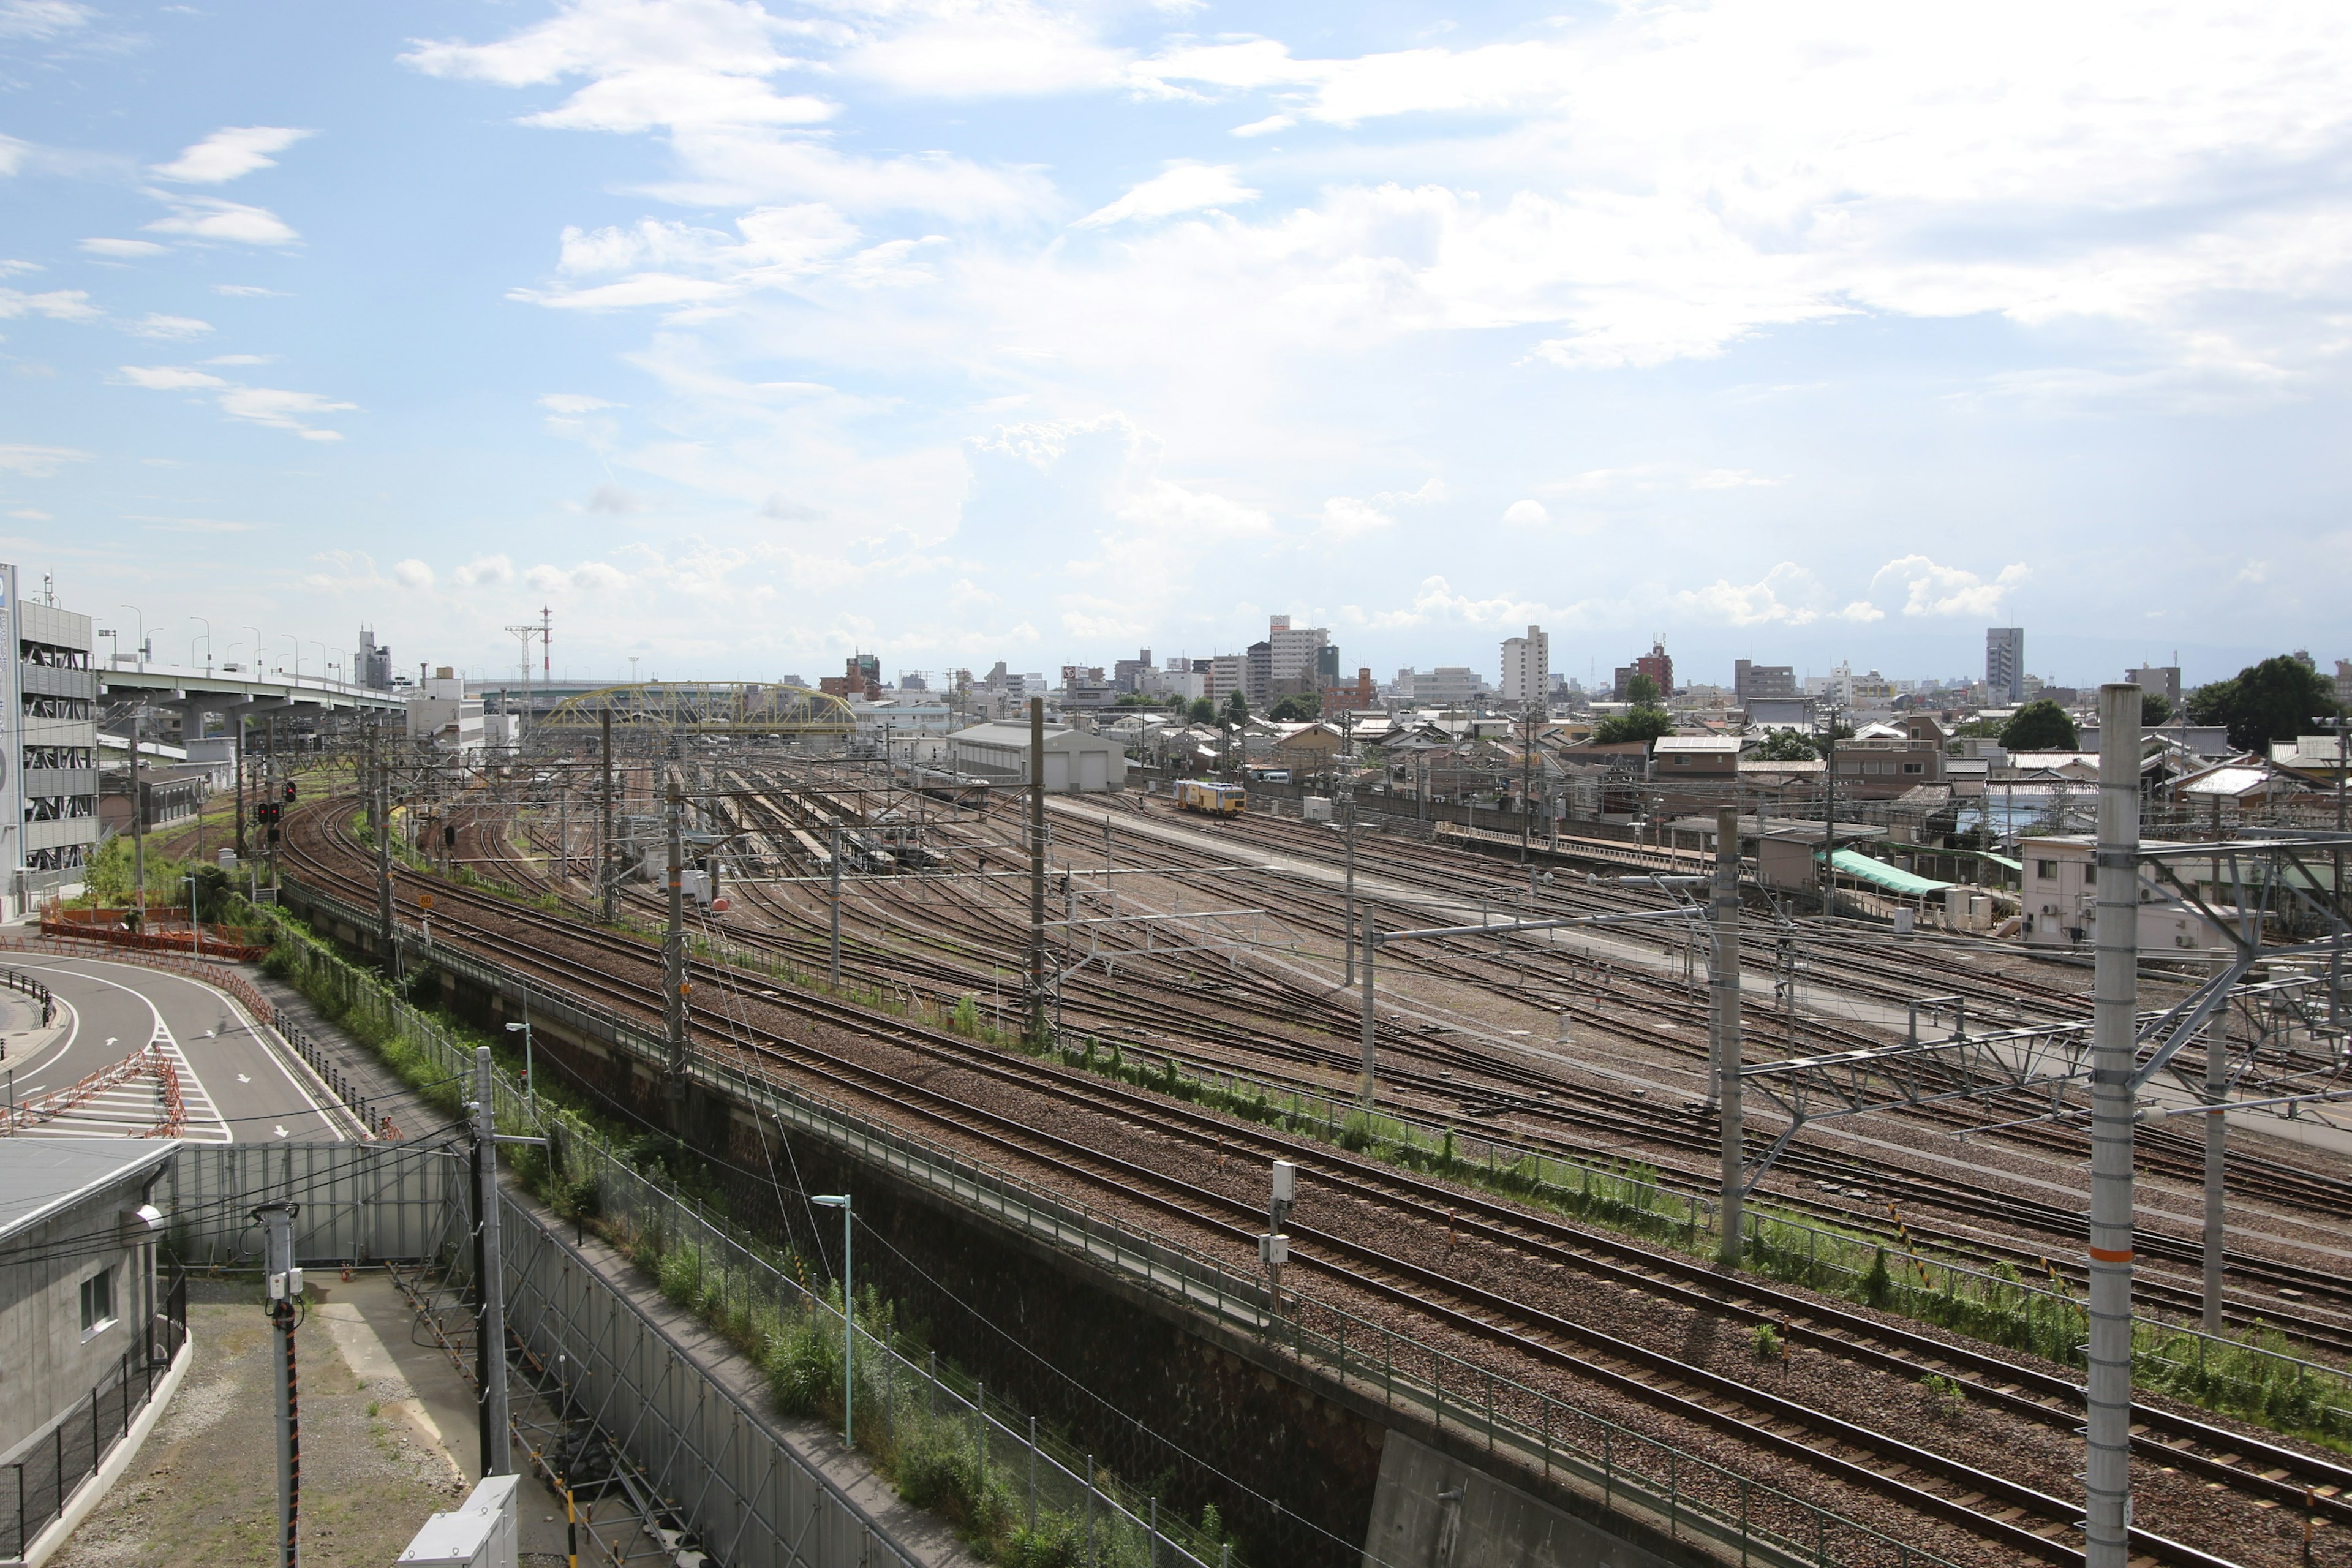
709 706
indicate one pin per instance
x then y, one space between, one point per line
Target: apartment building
1527 669
49 822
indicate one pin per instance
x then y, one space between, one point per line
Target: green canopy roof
2000 859
1894 878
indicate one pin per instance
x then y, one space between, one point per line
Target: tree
2274 701
1296 708
2154 708
1202 711
1786 746
1236 708
1642 692
2040 727
1643 724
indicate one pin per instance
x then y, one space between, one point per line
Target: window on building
1911 767
2046 869
97 1302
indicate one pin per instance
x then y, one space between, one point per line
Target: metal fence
46 1472
360 1202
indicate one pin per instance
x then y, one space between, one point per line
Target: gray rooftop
38 1176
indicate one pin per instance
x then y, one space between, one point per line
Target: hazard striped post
2114 1001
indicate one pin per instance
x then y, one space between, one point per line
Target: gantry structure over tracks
709 706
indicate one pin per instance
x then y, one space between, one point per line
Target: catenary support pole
1038 868
384 912
1348 917
608 880
832 962
1723 976
2114 1001
674 964
138 819
1371 941
2216 1136
239 733
490 1282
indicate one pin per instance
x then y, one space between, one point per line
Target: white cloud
124 249
170 378
209 217
676 264
1267 127
1184 187
495 571
228 154
246 292
29 515
37 462
574 402
1789 595
412 574
58 305
1345 517
1934 590
152 325
242 359
272 406
1526 514
41 18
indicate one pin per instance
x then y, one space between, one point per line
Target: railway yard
1216 955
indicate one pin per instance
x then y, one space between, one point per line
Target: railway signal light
289 789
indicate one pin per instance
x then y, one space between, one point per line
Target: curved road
236 1084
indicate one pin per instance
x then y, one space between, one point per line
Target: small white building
2059 892
1075 760
444 714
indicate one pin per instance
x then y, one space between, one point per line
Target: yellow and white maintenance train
1215 799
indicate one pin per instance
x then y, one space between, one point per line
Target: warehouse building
1076 761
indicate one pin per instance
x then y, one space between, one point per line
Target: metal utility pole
833 970
1371 941
1723 975
848 1319
284 1283
137 818
2114 1001
674 964
240 788
608 879
490 1282
1038 868
1829 816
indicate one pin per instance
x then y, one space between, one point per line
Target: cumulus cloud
495 571
209 217
1184 187
152 325
1789 595
57 304
227 153
412 574
42 19
1526 514
1930 589
170 378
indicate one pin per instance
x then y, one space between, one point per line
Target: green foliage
1948 1398
1785 746
1767 1340
2274 701
1236 710
2041 726
1878 1283
2154 708
1202 711
1642 723
1296 709
1642 690
965 1020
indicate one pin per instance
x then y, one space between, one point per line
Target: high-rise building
1527 668
49 756
1127 673
2005 663
374 666
1292 653
2163 678
1657 664
1257 675
1762 679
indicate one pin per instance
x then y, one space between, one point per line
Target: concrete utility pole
490 1282
2114 1001
2217 1138
674 965
833 970
1348 917
608 878
1372 925
138 819
239 751
1829 816
1038 868
284 1283
1723 977
383 796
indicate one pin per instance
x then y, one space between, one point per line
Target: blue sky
740 335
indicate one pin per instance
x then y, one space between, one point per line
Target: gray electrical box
480 1534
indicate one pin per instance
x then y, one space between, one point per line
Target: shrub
1767 1342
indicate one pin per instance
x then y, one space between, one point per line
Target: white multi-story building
1527 668
443 713
48 795
1294 648
2005 663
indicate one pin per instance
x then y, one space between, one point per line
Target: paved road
235 1084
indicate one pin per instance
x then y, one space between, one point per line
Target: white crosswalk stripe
132 1109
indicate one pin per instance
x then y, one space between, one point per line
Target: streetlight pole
530 1080
208 645
848 1318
